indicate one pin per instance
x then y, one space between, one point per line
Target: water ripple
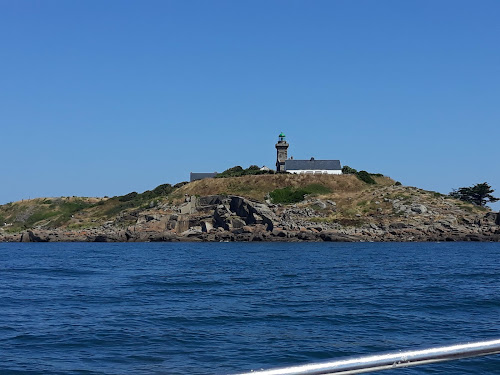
226 308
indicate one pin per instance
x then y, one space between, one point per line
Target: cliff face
239 209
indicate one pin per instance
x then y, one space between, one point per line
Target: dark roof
292 164
193 176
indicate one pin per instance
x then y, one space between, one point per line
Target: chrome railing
387 361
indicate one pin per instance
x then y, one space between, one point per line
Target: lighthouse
281 153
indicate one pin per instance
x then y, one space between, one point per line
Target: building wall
303 171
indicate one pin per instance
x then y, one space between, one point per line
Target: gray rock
192 232
29 236
320 203
419 208
207 226
491 218
237 223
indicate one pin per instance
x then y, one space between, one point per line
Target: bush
362 175
239 171
398 183
180 184
164 189
231 172
128 197
160 190
365 177
290 195
348 170
287 195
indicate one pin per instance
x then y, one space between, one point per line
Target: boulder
207 226
237 222
279 233
29 236
250 213
192 232
419 208
491 218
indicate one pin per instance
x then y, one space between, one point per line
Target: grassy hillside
355 201
257 187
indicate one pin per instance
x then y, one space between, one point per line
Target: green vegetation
159 191
239 171
366 177
479 194
317 189
362 175
290 195
115 205
50 213
348 170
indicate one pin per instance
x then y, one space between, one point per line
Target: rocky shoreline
221 218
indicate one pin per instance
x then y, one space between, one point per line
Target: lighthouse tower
282 153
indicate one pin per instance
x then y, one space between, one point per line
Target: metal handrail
389 361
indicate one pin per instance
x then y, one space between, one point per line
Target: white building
313 166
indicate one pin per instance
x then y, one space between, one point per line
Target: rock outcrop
234 218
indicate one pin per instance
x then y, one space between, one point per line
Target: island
256 205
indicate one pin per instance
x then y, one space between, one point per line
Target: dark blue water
220 308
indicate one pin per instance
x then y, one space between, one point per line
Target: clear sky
108 97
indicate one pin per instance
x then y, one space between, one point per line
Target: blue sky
107 97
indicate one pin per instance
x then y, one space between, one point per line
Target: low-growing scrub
238 171
366 177
362 175
159 191
290 195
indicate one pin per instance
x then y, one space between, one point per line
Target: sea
228 308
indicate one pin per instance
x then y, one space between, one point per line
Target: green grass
317 189
289 195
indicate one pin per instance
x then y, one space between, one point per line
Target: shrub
398 183
128 197
231 172
362 175
180 184
290 195
164 189
365 177
239 171
348 170
287 195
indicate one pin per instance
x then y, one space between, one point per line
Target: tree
479 194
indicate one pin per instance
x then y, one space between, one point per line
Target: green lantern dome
281 135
